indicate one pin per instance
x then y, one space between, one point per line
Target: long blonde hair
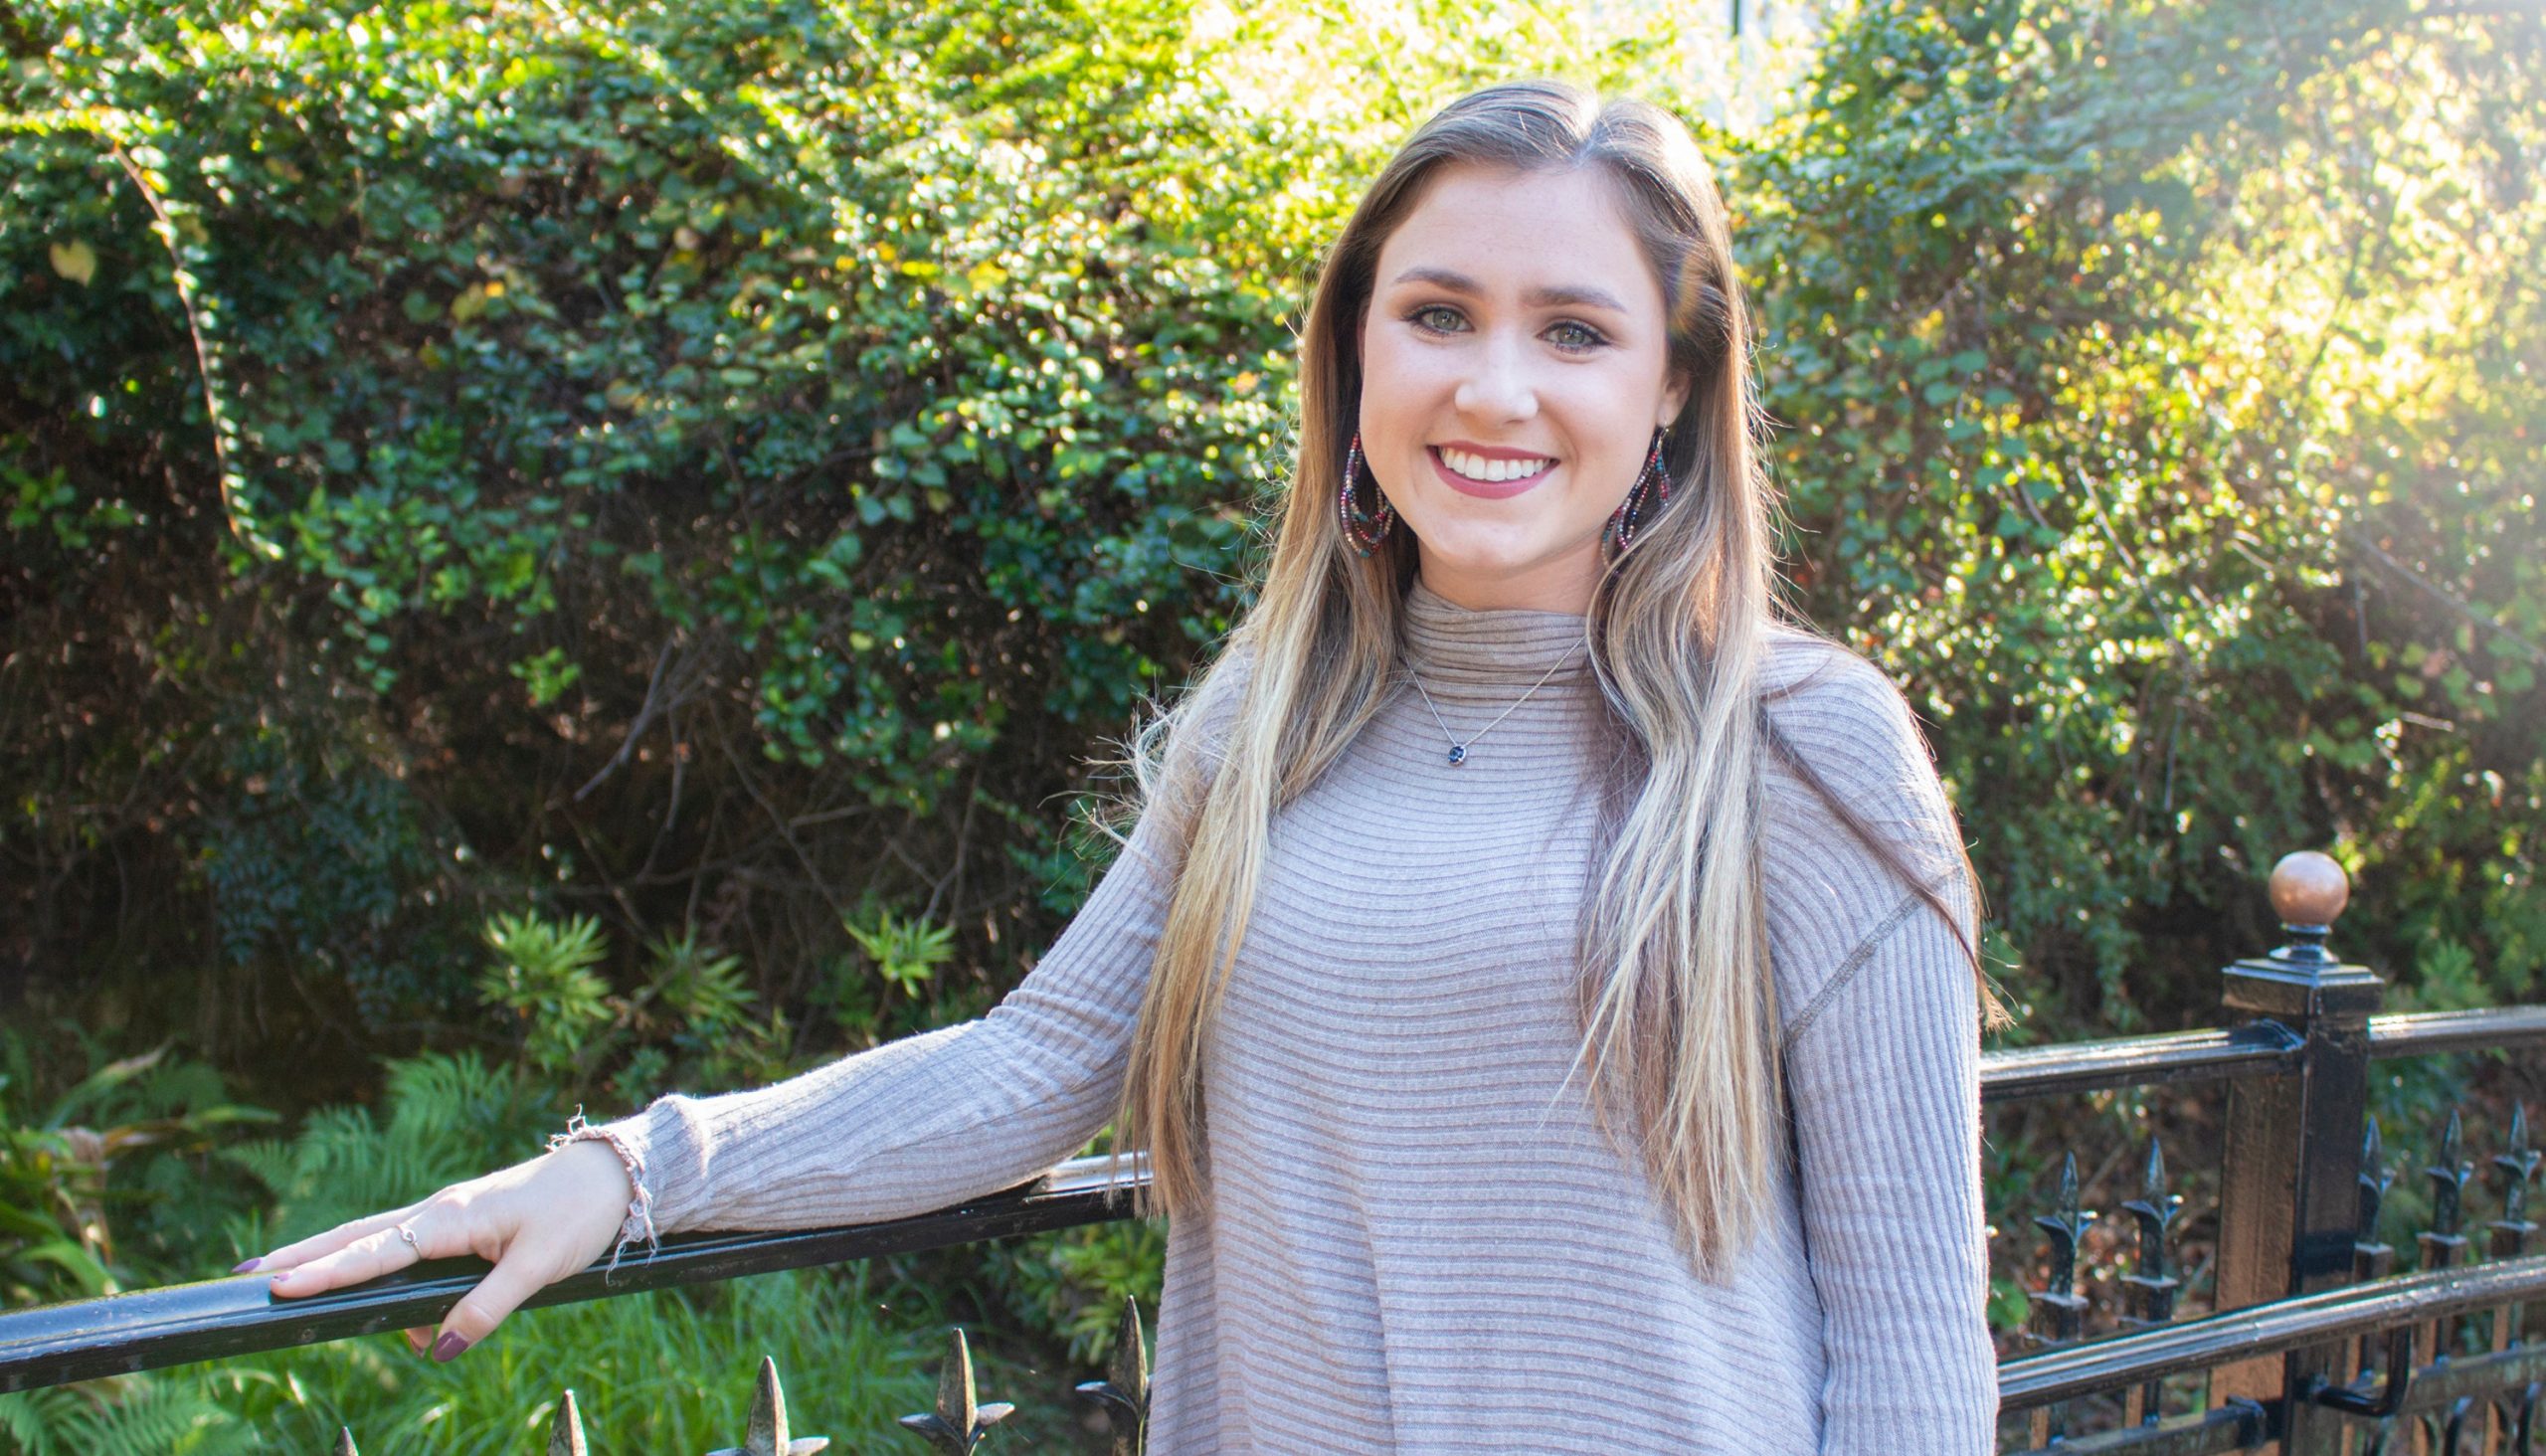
1679 1018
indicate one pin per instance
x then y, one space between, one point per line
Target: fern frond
129 1415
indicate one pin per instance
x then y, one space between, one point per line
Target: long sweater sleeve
1881 1016
945 1115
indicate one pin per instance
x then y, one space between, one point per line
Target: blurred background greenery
556 552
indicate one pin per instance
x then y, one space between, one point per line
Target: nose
1497 388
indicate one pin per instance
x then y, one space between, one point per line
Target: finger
420 1338
368 1258
293 1254
516 1278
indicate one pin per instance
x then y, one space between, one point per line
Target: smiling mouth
1486 470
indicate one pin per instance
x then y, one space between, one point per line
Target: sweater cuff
639 1225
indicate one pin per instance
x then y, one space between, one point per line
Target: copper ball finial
2308 888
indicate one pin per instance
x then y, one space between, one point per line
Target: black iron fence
2314 1346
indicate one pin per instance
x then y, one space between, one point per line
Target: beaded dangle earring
1364 529
1621 532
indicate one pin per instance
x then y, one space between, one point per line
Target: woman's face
1512 373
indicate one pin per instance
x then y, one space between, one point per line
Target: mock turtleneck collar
1512 647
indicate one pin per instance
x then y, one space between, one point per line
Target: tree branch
2447 598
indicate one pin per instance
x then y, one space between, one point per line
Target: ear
1675 398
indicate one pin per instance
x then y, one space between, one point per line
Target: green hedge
723 470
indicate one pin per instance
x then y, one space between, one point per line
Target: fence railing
2314 1346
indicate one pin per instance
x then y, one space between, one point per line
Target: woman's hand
536 1222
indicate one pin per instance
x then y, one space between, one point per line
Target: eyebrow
1575 295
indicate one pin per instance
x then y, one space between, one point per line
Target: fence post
2288 1186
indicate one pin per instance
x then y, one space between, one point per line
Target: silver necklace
1457 750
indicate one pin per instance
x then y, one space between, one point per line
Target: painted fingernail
250 1264
448 1348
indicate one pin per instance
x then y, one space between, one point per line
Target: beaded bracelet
640 1222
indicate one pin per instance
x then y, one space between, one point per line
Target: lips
1484 489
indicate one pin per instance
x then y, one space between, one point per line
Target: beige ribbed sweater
1416 1239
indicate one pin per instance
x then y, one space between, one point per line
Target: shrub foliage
713 475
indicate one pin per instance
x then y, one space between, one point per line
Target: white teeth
1478 467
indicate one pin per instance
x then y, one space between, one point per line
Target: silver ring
408 1235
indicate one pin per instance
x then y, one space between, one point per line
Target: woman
1543 983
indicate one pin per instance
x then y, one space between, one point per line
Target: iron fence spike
1129 1367
2154 1213
960 1420
2067 1228
2449 1177
2374 1180
1123 1393
2151 1289
767 1433
957 1396
2513 1170
2059 1311
566 1432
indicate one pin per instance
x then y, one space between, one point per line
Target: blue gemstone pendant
1458 754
